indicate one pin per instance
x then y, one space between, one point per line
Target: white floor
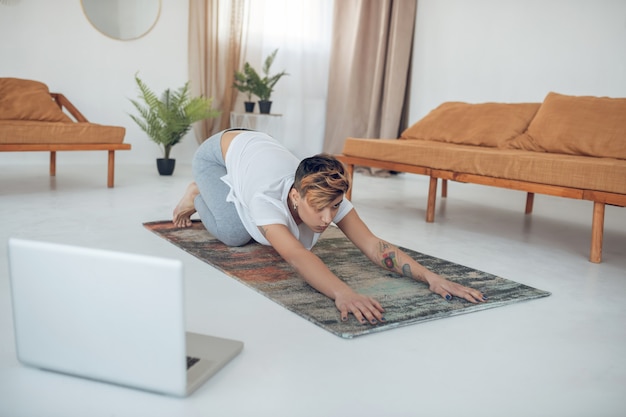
564 355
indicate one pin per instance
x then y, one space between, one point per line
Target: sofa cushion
577 125
484 124
581 172
28 100
30 132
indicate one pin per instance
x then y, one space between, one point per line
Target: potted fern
166 120
243 83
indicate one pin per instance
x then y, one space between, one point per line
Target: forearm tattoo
389 260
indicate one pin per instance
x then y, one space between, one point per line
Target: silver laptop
109 316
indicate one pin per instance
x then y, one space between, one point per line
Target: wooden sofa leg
530 199
111 169
53 163
432 199
444 188
597 232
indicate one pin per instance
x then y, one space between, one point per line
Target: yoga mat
405 300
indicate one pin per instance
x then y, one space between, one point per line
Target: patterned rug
406 301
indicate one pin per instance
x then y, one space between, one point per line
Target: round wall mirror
122 19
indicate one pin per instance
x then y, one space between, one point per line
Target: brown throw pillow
484 124
577 125
28 100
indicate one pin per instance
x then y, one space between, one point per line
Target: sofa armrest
63 102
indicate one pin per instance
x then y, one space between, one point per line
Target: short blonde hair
320 179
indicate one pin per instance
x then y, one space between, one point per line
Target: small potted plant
261 86
243 83
166 120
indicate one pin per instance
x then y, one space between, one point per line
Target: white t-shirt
260 174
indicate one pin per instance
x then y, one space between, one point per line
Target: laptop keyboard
191 361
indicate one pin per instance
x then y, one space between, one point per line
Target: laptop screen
99 314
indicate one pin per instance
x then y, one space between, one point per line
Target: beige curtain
216 48
369 70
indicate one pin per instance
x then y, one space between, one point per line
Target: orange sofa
566 146
33 119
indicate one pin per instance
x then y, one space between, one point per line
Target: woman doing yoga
248 186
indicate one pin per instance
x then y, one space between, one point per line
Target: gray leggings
219 217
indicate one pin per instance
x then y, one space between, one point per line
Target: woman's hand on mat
365 309
448 289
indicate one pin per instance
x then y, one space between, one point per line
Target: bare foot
185 208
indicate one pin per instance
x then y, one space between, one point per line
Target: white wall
53 42
468 50
516 50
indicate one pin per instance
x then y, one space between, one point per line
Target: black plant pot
265 107
249 105
166 166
